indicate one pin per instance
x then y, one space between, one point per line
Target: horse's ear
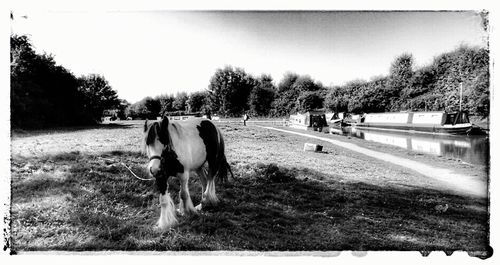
163 133
146 125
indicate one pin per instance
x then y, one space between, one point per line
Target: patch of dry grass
81 198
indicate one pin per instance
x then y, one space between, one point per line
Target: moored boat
311 120
336 120
440 122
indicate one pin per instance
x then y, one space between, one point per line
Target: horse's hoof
191 211
162 227
159 228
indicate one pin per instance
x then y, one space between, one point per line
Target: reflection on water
470 149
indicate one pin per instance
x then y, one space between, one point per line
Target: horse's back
212 141
200 138
201 126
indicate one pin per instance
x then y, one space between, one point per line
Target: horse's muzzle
154 168
151 172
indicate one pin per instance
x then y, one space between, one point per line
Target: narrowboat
336 119
311 120
437 122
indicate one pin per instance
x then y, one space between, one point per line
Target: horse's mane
153 130
152 133
149 134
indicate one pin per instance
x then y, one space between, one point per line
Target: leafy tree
197 101
286 99
309 100
147 108
357 90
291 87
98 95
166 104
466 65
43 94
478 95
422 82
180 102
337 99
376 98
400 76
262 96
229 90
153 106
306 83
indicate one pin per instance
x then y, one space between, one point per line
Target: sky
149 53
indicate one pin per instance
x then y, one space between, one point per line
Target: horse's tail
222 166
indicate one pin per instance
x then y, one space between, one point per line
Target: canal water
473 149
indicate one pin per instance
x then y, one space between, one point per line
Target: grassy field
71 192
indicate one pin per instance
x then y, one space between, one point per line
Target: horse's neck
174 136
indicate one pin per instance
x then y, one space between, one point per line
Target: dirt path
459 182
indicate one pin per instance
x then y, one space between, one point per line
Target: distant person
315 126
245 119
209 116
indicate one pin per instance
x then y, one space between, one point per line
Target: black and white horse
181 148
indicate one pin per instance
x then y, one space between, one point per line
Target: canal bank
464 178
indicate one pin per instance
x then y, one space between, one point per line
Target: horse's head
153 145
163 161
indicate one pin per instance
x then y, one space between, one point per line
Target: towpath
456 181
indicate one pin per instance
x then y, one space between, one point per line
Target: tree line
429 88
44 94
232 92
